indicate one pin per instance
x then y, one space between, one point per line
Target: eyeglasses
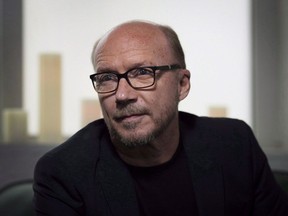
138 78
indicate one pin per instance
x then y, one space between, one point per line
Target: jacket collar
116 182
206 173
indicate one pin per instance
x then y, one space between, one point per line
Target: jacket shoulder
210 123
220 137
80 152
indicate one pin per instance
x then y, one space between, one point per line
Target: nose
125 92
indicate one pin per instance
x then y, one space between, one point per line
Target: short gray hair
175 44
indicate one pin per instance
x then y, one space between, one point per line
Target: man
146 157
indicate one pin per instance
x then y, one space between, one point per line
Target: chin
132 138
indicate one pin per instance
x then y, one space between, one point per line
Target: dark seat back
16 199
282 179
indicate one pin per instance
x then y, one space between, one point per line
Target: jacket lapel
208 188
206 174
116 182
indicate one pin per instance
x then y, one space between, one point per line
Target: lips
128 117
130 114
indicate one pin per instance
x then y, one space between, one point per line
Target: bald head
141 33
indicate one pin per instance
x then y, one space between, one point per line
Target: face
138 117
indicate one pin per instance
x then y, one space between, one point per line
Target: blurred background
237 52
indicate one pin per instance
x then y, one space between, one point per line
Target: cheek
169 91
166 97
106 105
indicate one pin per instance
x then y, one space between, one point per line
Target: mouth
129 117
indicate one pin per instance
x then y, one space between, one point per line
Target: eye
141 72
105 77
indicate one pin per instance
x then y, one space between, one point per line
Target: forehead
132 40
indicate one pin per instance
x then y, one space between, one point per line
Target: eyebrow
105 70
108 69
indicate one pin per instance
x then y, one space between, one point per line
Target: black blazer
231 176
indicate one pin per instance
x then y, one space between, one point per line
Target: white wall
215 36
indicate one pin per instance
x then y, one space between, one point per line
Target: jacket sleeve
269 198
54 193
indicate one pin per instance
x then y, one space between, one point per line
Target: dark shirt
165 189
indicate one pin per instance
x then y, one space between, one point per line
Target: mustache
129 111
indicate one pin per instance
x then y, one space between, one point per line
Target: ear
184 83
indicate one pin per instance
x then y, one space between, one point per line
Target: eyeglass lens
137 78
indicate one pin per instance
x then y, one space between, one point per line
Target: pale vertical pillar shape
14 126
218 111
90 111
50 98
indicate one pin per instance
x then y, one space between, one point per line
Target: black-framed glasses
138 78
